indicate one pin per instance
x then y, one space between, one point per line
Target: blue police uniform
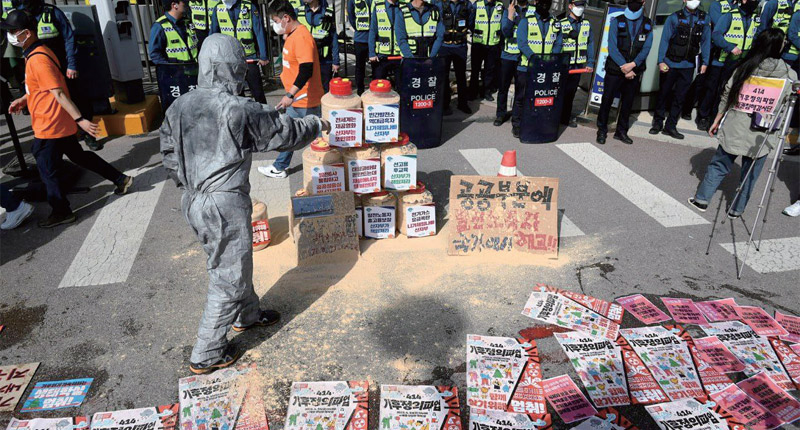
385 67
360 41
509 60
419 18
458 17
157 44
328 46
570 82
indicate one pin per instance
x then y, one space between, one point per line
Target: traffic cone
508 166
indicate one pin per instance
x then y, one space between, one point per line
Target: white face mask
12 39
692 4
577 11
278 28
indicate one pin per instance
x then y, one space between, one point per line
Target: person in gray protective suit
207 139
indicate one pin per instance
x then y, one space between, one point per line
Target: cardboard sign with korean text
14 380
503 214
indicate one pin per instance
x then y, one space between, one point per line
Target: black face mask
749 7
634 6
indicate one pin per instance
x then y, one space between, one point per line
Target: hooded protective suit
207 139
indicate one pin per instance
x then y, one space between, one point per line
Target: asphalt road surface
117 295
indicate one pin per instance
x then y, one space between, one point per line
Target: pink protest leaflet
563 312
686 413
760 321
752 350
683 310
609 310
481 419
716 354
503 374
719 310
598 363
796 348
791 324
772 397
745 409
789 358
644 310
667 358
568 401
643 387
712 379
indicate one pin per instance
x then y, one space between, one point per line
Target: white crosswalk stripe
668 211
486 161
110 248
775 255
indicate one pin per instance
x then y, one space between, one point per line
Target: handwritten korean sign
760 95
14 379
499 214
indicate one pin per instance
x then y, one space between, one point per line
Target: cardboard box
324 228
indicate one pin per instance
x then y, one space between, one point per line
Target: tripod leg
771 184
714 226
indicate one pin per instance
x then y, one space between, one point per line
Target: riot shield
541 108
422 85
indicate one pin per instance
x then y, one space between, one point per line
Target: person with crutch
736 138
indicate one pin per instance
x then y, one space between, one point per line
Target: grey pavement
117 296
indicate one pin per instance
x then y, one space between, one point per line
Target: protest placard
791 324
481 419
715 353
760 321
609 310
644 310
563 312
381 123
67 423
598 363
642 386
332 405
568 401
789 358
686 413
14 380
346 128
719 310
760 95
607 419
502 214
503 374
154 418
712 379
419 407
47 396
750 414
324 228
683 310
772 397
211 401
667 358
752 350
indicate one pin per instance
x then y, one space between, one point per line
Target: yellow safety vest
362 13
487 28
782 16
386 43
739 36
540 44
419 32
201 13
725 6
321 31
511 46
244 26
46 28
7 7
297 5
576 48
177 48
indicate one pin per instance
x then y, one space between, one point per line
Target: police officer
240 19
419 30
686 34
55 31
509 60
578 41
733 34
776 14
319 18
486 47
383 45
358 16
459 19
538 33
201 18
630 37
172 38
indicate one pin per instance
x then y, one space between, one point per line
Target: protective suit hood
222 64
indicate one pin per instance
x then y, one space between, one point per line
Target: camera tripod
782 119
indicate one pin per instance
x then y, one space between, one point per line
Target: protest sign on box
568 401
420 407
686 413
789 358
364 176
481 419
668 359
153 418
563 312
324 228
760 95
346 128
772 397
47 396
683 310
746 410
503 374
421 220
643 309
791 324
754 351
598 363
382 123
400 172
642 386
609 310
760 321
712 379
379 222
66 423
327 179
343 405
719 310
498 214
14 380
